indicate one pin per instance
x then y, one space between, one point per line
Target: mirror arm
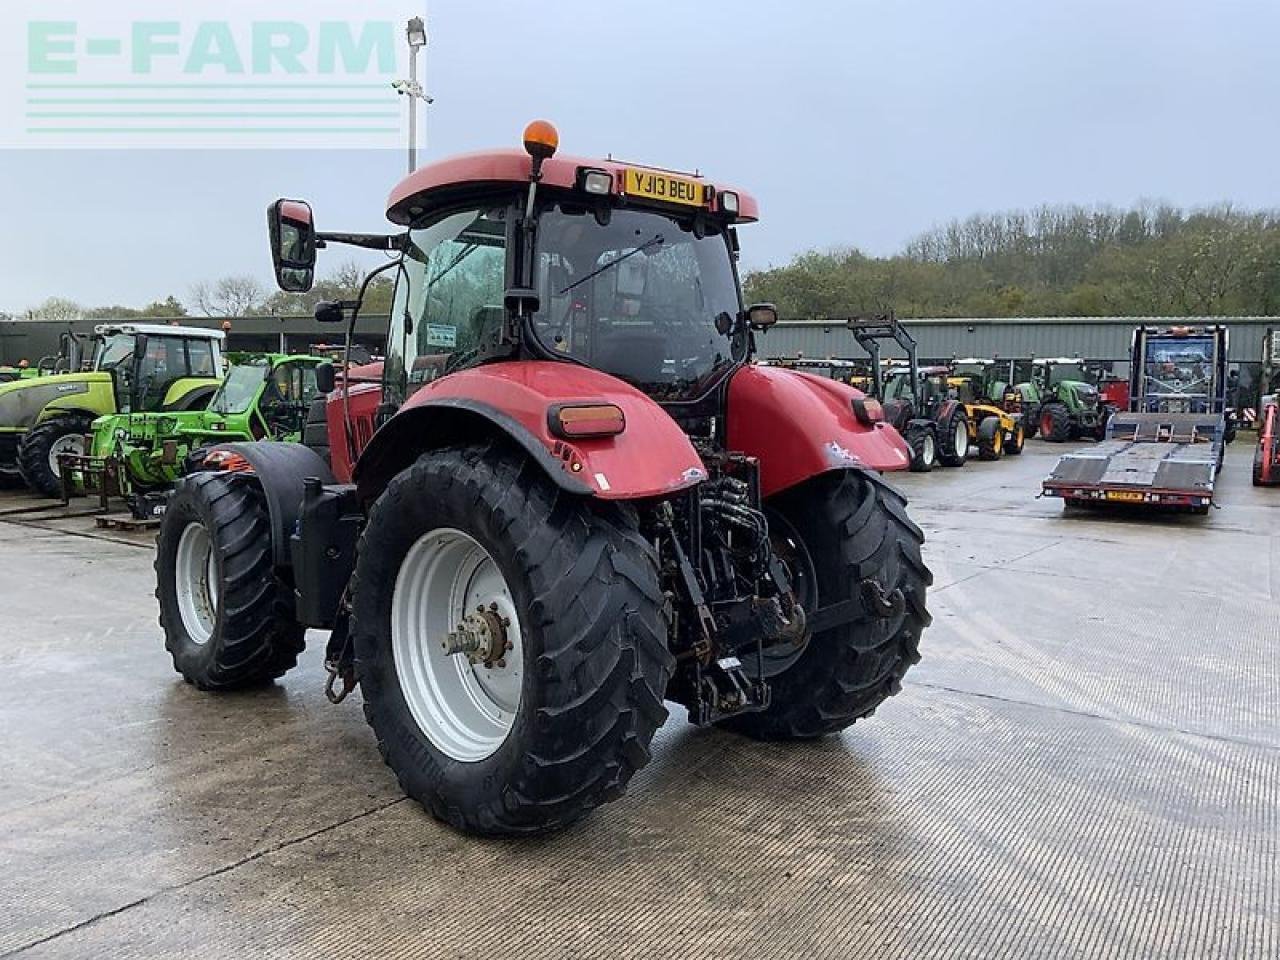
370 241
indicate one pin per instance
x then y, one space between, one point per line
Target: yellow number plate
663 186
1128 496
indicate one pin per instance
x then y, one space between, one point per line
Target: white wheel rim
928 448
196 578
465 709
961 438
71 443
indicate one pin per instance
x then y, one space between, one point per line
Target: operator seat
631 355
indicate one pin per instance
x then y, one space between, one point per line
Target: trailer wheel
1016 440
227 618
953 439
38 452
1055 422
924 450
554 605
990 439
1257 465
853 527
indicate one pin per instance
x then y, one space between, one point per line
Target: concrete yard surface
1086 763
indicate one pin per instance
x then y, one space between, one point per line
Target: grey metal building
1094 338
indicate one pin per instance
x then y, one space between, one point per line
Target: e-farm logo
203 74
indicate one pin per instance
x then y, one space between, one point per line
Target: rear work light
868 410
572 421
598 182
729 203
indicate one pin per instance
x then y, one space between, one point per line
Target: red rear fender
650 457
799 425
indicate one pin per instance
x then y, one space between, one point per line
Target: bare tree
58 310
234 296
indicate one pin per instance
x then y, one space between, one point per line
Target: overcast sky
855 123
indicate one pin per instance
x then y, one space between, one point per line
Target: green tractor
139 455
1059 402
134 367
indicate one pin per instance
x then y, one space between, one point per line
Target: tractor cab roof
446 179
158 330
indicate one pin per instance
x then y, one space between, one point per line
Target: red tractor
569 497
1266 455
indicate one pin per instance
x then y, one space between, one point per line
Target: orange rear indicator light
868 410
578 420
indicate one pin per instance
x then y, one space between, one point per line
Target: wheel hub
482 636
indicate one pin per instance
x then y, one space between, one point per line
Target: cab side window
449 298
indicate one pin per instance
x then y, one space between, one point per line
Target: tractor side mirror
762 316
326 377
329 311
293 244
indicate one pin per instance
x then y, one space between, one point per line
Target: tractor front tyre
510 639
1055 423
853 530
990 439
227 617
39 450
924 450
1016 440
953 439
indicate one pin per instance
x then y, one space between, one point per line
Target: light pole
416 33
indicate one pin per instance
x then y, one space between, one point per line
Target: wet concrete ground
1085 764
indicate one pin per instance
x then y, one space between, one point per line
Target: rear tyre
1030 421
1055 423
1016 440
537 741
38 452
990 439
227 618
853 527
924 450
953 439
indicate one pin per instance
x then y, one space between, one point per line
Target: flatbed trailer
1167 449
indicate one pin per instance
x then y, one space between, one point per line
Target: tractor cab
982 380
631 274
272 392
931 386
149 363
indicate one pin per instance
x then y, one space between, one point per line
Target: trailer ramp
1150 458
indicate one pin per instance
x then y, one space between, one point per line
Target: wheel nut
502 661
